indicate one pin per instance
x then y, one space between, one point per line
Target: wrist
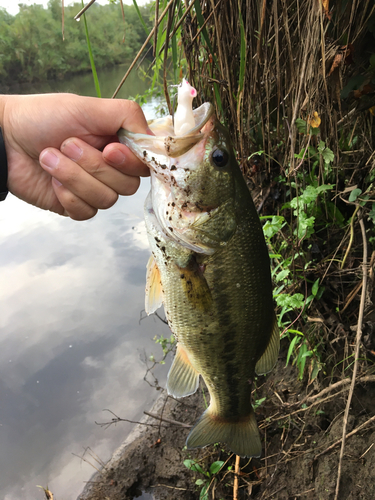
3 154
3 99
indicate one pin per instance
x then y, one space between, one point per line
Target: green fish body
210 269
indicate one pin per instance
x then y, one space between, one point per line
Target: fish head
192 178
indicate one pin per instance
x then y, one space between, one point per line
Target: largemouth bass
210 268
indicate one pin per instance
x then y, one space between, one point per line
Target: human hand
52 143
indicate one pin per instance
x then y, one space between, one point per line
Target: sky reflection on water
71 343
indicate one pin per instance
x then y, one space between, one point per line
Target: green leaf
295 301
290 350
282 275
354 194
242 54
301 361
316 369
258 402
301 126
140 17
91 57
204 493
194 466
216 466
199 482
371 215
315 287
297 332
188 463
271 227
327 155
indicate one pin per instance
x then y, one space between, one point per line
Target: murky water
71 343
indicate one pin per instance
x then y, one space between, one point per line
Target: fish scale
211 264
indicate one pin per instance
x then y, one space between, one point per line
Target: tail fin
242 436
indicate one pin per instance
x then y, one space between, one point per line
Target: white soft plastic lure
184 118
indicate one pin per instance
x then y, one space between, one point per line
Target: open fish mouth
155 149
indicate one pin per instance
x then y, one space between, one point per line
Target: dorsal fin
154 294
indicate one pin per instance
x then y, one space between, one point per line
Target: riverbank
297 460
151 457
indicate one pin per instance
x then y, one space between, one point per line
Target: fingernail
49 159
116 157
71 150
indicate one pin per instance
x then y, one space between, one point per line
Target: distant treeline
32 48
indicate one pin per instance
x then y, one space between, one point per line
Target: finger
76 180
120 157
91 160
74 207
104 117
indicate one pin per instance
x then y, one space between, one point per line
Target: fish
210 269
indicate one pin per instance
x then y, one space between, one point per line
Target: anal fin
269 357
154 294
183 379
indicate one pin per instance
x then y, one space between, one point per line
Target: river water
71 340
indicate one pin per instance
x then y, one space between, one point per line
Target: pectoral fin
154 294
269 357
195 286
183 379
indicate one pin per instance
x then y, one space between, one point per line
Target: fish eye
220 157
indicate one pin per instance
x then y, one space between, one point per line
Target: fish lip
169 144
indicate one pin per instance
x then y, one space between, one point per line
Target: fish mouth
165 143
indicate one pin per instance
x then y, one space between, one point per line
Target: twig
355 431
166 486
345 381
84 459
142 49
236 474
119 419
368 449
168 420
351 238
82 11
303 493
357 345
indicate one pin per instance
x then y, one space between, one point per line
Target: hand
52 143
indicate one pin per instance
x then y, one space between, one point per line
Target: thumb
107 116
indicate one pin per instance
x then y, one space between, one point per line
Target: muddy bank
297 433
151 458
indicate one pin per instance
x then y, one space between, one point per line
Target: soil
295 463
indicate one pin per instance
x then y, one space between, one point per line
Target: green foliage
166 344
209 475
311 211
32 48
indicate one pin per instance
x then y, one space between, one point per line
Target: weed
168 345
209 475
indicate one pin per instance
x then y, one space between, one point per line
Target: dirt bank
295 465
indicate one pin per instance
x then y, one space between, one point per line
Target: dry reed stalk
356 354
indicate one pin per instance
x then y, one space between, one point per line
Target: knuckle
107 200
130 187
83 214
134 108
95 167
